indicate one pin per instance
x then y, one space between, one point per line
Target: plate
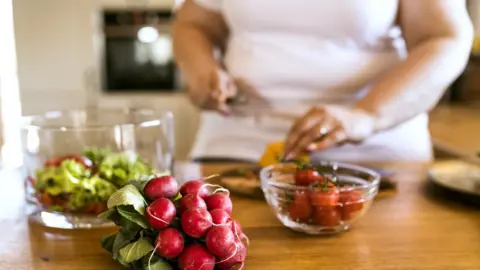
456 175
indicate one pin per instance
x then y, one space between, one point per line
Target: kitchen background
59 53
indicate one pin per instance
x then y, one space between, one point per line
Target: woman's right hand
210 88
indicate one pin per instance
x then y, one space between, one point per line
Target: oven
138 52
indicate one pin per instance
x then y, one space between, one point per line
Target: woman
338 69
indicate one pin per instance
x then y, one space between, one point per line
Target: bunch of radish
195 229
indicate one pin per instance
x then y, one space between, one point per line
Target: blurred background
64 54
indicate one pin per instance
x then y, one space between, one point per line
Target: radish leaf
128 195
110 214
136 250
120 242
108 241
139 184
158 265
128 212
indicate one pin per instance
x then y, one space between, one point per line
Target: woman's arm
197 33
439 36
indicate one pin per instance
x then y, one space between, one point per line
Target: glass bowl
320 210
74 160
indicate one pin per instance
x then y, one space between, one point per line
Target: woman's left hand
324 127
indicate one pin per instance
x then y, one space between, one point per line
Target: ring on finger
326 127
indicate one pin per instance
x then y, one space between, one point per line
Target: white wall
59 41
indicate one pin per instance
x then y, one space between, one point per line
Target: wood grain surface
409 230
456 129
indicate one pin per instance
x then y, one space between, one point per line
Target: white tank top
308 52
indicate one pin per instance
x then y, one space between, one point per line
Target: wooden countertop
410 230
456 129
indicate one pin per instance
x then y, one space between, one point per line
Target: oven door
140 58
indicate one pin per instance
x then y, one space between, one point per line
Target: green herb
128 212
128 195
136 250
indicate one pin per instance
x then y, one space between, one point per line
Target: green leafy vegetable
120 168
128 212
110 214
156 263
107 241
120 242
136 250
129 229
96 155
140 185
128 195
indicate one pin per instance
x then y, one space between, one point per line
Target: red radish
169 243
219 201
191 201
194 187
160 213
161 187
220 217
196 222
238 259
220 241
196 257
236 227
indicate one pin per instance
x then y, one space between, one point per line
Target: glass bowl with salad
74 160
321 198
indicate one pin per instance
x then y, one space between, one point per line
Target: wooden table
410 230
456 129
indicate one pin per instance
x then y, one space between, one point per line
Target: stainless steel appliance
138 52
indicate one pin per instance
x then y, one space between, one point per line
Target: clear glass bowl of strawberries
321 198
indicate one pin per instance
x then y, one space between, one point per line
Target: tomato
351 203
90 209
300 209
327 197
326 217
53 162
59 200
46 200
100 208
307 177
31 180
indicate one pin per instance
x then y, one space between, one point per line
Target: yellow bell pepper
476 46
274 152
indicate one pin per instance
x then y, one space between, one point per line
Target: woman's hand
324 127
210 88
